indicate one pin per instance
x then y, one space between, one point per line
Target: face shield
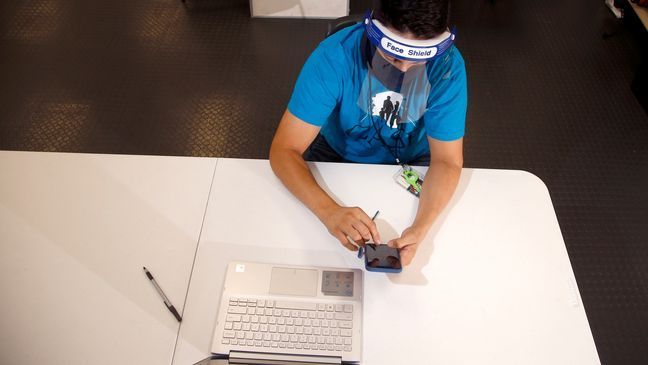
404 48
395 91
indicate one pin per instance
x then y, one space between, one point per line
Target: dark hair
423 18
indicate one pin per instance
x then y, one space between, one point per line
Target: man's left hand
408 243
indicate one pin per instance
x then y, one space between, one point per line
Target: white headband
404 48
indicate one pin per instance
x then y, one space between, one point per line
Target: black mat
547 94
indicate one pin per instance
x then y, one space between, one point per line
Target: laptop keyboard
288 325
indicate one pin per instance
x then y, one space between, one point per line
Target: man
403 52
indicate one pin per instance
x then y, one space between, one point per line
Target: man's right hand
292 138
354 223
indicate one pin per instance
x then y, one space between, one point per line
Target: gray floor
547 94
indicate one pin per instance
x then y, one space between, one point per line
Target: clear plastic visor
393 91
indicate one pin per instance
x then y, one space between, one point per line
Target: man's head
423 19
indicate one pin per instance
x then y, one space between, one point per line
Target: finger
407 254
406 258
345 242
371 225
351 246
358 244
402 241
363 230
353 234
397 243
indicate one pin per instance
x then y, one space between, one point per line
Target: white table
75 231
492 283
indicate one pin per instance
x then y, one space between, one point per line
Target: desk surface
76 230
492 283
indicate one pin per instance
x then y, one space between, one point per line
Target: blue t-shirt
362 119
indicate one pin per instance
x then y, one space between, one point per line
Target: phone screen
382 257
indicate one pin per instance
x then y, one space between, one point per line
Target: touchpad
287 281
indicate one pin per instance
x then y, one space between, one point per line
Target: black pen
164 297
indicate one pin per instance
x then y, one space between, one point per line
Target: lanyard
395 154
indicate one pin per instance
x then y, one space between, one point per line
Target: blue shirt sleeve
319 86
445 117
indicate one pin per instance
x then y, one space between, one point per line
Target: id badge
410 179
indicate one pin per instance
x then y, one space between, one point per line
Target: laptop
282 314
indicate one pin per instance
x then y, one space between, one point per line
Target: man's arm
446 161
292 138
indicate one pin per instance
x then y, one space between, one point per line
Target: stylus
167 303
361 249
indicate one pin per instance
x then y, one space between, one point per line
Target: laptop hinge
240 357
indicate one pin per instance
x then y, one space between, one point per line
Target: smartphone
382 258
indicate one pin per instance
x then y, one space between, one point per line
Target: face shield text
394 49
